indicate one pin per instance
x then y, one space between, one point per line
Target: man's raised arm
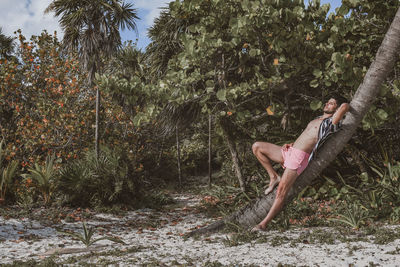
340 113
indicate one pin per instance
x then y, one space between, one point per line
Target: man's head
334 103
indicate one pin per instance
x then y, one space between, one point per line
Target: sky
28 15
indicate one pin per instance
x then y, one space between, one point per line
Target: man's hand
286 147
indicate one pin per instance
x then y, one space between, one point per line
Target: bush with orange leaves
44 105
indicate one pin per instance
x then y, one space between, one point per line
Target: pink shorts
295 159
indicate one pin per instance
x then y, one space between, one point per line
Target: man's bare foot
257 228
272 185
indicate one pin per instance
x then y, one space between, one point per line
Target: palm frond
181 116
6 44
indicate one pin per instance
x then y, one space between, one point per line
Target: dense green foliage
232 59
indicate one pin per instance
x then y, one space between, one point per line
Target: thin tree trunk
161 151
178 152
209 150
366 93
235 157
96 134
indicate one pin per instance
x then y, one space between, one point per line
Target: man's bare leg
288 178
265 152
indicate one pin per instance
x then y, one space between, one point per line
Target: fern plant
87 236
44 178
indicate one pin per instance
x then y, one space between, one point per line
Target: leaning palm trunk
360 104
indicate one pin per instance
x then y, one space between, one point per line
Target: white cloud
153 8
27 15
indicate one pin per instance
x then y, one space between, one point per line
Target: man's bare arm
340 113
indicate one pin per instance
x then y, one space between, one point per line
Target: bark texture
365 95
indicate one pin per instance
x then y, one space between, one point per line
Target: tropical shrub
7 173
44 178
103 181
44 106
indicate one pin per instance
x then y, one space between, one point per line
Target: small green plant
44 178
87 236
6 173
240 237
354 216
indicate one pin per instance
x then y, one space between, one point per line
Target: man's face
330 106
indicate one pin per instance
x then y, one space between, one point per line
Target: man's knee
256 147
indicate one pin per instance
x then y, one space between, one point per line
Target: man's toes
257 228
268 190
272 185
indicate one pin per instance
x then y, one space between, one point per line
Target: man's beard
329 111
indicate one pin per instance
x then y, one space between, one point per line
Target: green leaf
364 177
317 73
382 114
245 5
287 75
221 95
255 6
314 105
384 90
192 28
343 10
254 52
333 191
314 83
210 83
353 3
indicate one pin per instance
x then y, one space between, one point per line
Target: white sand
165 245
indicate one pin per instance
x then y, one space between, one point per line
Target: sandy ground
154 238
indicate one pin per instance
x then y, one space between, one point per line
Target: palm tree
165 35
366 93
6 44
92 28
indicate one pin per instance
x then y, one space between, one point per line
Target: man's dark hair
339 99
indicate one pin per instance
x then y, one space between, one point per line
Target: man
295 157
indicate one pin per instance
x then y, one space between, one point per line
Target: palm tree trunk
232 148
365 95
